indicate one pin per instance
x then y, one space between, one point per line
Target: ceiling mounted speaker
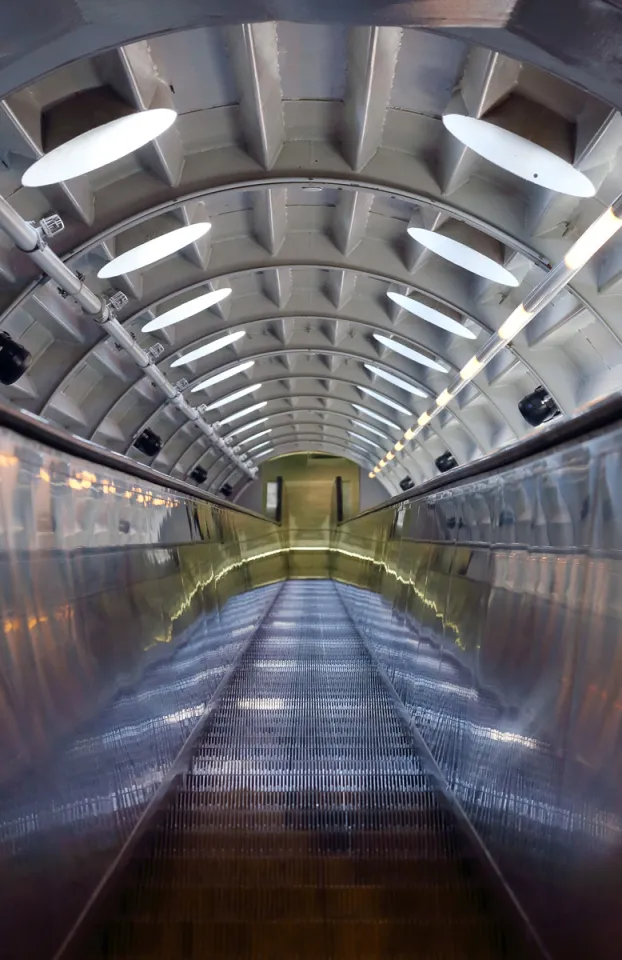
407 483
14 359
226 490
445 462
538 407
199 475
148 443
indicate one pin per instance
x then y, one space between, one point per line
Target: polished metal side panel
122 607
496 612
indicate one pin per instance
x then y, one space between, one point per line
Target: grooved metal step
306 827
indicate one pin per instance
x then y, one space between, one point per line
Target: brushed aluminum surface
121 610
494 606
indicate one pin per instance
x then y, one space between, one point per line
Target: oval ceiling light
208 348
358 436
416 392
234 396
153 250
432 316
354 446
99 147
219 377
365 426
463 256
256 436
382 399
264 443
519 156
185 310
243 413
376 416
247 426
405 351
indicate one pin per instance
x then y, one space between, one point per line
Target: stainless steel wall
495 608
123 606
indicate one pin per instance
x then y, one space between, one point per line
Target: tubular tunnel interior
400 739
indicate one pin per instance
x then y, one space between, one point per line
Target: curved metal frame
493 214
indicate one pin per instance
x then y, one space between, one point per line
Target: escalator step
306 827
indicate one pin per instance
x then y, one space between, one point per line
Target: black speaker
148 443
407 483
445 462
199 475
14 359
226 490
538 407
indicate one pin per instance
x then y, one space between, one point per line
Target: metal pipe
25 237
156 376
120 335
31 242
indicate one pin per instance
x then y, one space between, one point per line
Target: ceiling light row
106 144
596 235
109 142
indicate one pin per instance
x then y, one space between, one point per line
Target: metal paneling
495 612
120 615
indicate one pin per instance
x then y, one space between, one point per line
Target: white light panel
246 426
188 309
431 316
405 351
208 348
397 381
225 375
235 396
153 250
382 399
519 156
99 147
243 413
376 416
463 256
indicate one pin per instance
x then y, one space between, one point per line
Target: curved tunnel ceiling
318 153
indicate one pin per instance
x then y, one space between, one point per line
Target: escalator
305 826
224 739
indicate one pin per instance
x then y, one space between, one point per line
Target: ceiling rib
28 239
254 55
372 58
310 271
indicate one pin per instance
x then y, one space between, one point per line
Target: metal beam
350 219
270 218
372 58
255 58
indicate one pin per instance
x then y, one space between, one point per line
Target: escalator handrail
32 427
599 415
